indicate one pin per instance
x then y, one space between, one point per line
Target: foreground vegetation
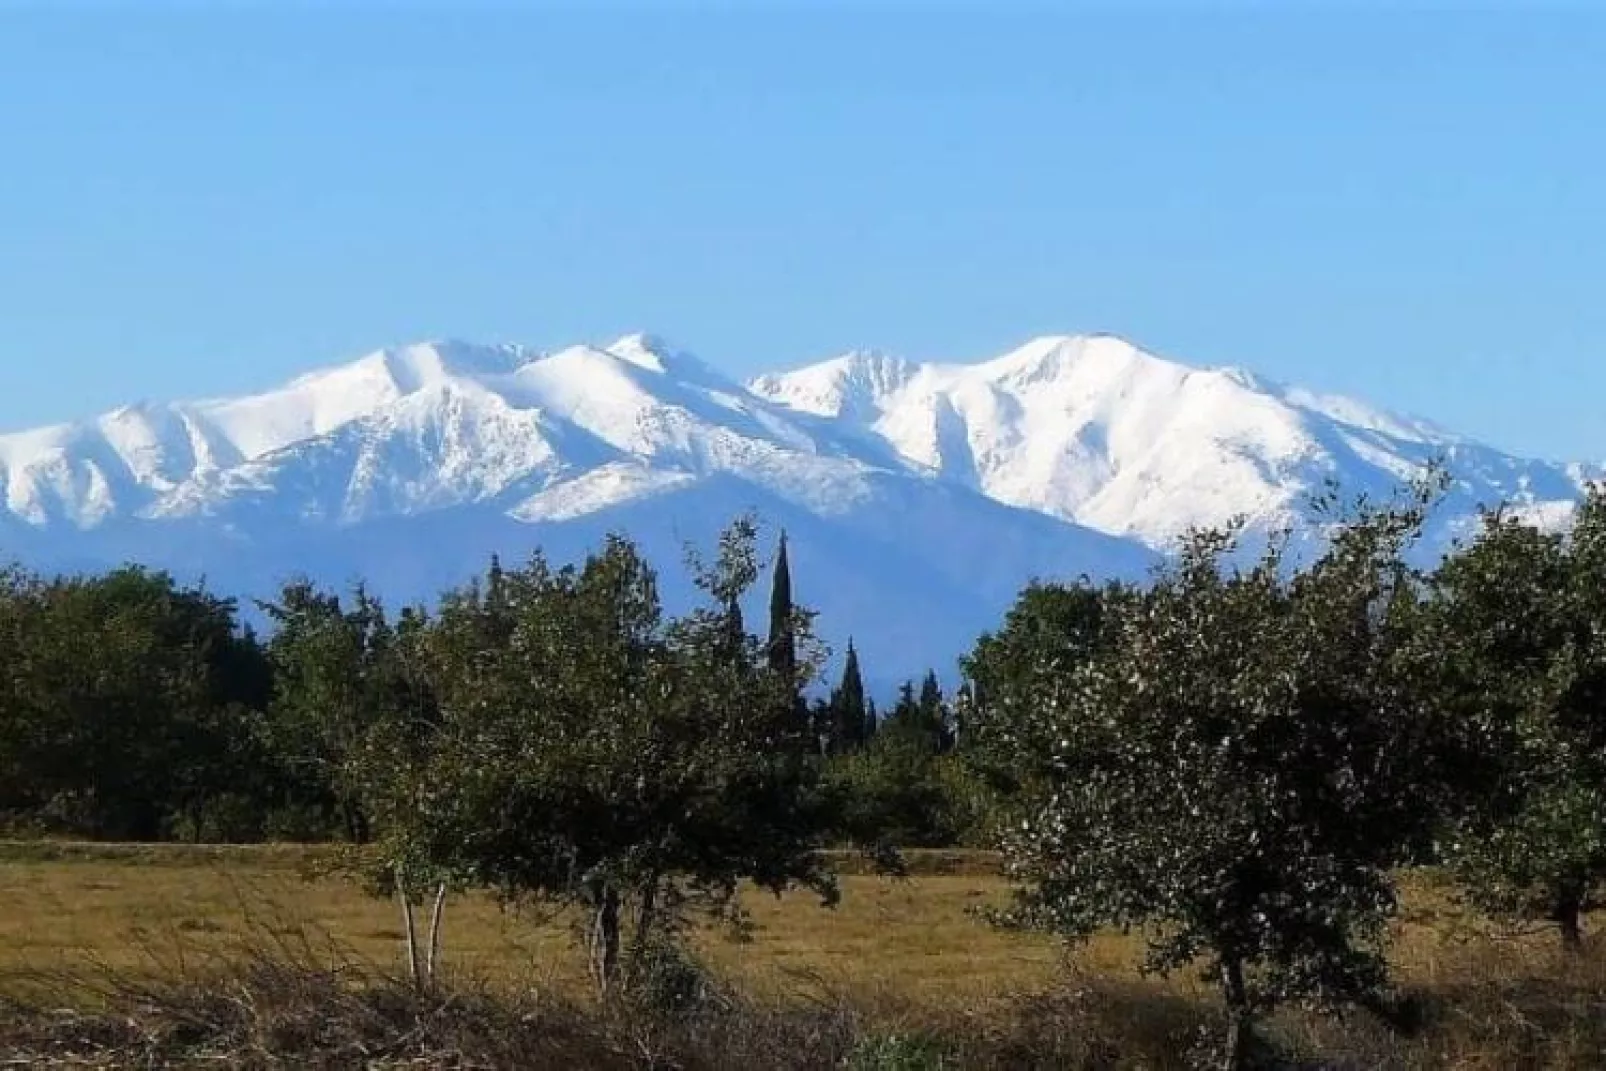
1230 767
175 956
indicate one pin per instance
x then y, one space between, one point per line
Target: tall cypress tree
783 640
849 717
934 717
783 637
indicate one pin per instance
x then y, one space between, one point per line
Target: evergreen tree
495 582
918 719
934 717
783 632
849 718
782 648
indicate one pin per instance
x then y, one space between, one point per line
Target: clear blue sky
1410 208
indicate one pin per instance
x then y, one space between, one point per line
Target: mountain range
917 497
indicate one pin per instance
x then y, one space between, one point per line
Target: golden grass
137 907
903 943
907 954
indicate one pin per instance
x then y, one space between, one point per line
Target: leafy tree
894 793
127 701
21 732
337 679
1050 632
1234 770
1518 634
898 789
604 756
904 717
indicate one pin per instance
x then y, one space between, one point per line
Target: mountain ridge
1067 455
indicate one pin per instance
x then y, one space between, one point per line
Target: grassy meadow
899 958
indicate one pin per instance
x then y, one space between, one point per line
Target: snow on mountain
918 497
1093 430
410 466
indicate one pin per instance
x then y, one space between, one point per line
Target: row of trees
544 731
135 708
1233 759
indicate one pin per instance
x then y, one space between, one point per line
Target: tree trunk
348 815
409 930
1240 1018
645 917
1567 915
435 918
605 939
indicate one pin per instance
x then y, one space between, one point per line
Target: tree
1518 633
1234 770
783 629
337 678
904 717
920 720
847 717
899 789
787 624
935 718
127 703
603 756
1050 632
22 732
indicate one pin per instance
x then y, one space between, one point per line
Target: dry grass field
152 907
907 955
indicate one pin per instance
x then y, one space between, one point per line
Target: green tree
935 717
337 679
783 628
899 789
1235 770
1050 632
1518 633
603 756
894 793
920 720
787 625
128 703
22 731
847 717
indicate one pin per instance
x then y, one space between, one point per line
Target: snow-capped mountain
1093 430
918 497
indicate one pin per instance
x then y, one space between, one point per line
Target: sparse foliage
1234 771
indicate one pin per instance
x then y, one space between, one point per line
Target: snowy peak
1094 430
852 385
1089 430
1059 357
919 496
644 350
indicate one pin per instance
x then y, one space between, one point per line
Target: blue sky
1406 207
